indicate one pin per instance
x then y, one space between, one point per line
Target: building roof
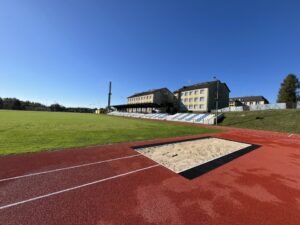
200 85
249 98
153 91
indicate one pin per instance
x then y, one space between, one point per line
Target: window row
193 92
252 103
196 106
148 97
201 99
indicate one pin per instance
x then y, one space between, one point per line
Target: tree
11 103
1 103
288 90
57 108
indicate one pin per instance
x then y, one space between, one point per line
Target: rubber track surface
261 187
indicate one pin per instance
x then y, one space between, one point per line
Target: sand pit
182 156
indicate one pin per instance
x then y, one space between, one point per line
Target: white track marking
290 135
68 168
76 187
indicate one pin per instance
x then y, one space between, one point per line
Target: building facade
248 100
202 97
155 100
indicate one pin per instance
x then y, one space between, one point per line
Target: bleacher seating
180 117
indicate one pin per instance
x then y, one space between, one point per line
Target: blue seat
192 117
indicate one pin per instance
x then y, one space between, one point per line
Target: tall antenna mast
109 95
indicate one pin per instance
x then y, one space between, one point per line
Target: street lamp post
217 100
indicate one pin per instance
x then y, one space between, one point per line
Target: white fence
232 109
267 107
254 107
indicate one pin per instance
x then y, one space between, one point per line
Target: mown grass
274 120
24 131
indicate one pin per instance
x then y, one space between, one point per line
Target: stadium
149 155
149 112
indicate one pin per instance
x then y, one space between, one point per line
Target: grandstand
206 118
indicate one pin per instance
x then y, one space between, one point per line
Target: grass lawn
25 131
274 120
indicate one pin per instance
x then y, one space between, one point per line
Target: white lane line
76 187
290 135
68 168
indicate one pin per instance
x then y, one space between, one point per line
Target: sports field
24 131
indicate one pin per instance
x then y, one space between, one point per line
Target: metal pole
217 100
109 96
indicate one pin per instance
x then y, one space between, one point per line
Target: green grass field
274 120
24 131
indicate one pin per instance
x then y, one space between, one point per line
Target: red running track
112 184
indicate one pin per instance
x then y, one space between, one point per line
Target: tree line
16 104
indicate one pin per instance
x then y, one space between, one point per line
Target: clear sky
67 51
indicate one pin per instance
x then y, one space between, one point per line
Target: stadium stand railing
180 117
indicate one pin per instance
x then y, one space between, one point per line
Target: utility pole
217 100
109 96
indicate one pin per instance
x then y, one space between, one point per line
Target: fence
255 107
267 107
232 109
298 105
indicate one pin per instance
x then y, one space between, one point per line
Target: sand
182 156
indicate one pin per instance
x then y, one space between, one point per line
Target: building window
196 99
196 92
201 99
191 92
190 107
186 100
190 99
196 106
202 91
185 93
201 106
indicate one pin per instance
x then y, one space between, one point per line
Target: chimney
109 95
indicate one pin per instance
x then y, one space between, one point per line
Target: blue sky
67 51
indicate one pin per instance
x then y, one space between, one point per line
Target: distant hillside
274 120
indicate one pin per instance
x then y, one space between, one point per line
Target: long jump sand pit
195 157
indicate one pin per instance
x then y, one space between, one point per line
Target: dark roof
200 85
148 92
249 98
